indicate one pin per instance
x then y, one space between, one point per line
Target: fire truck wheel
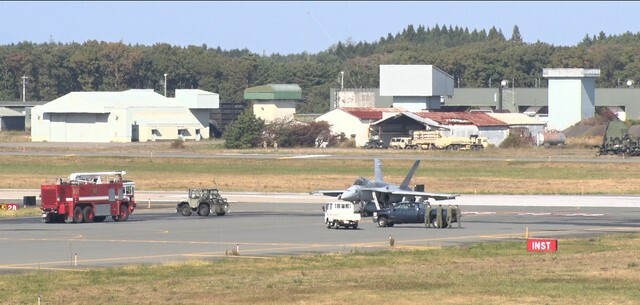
123 215
78 215
88 214
203 209
99 218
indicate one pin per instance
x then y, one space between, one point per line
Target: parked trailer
472 142
88 197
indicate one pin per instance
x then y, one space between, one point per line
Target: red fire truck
88 197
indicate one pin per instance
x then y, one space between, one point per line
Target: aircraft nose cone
349 195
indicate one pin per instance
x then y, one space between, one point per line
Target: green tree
244 132
515 35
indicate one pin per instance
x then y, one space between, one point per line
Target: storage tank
551 138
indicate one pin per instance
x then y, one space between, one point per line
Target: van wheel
328 224
336 225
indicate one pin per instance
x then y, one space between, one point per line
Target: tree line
476 58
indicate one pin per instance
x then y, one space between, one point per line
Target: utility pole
341 80
24 88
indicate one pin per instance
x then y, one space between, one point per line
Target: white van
340 214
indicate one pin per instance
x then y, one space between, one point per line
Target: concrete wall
570 101
355 99
273 110
360 95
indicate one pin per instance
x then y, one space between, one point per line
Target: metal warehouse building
127 116
455 124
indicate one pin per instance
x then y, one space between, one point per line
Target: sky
289 27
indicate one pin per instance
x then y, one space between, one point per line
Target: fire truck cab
88 197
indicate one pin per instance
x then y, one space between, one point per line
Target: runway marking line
303 157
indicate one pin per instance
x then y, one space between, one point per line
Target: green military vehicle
374 144
203 201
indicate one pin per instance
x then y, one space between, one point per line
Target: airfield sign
542 245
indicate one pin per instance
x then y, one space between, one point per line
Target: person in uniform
427 215
439 216
458 216
449 216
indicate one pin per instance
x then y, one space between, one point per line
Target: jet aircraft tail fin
377 170
407 179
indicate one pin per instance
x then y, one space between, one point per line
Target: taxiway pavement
264 225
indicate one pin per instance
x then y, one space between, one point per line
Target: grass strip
595 270
305 175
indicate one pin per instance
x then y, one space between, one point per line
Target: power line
339 52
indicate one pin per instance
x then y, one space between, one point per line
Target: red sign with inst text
5 206
542 245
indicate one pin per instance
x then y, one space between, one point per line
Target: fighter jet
381 193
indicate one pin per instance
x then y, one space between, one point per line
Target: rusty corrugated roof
367 113
479 119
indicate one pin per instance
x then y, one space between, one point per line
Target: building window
184 133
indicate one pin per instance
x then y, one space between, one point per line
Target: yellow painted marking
223 255
42 268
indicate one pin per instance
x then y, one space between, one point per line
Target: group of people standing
453 215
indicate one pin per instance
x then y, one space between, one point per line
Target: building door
135 133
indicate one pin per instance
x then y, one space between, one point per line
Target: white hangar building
127 116
355 122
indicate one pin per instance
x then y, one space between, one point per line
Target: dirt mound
584 130
634 131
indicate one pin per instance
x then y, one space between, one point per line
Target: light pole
341 80
165 85
503 84
24 88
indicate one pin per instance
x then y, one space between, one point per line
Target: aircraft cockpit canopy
361 181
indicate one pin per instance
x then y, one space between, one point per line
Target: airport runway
265 225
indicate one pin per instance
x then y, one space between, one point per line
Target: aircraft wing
425 195
331 193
